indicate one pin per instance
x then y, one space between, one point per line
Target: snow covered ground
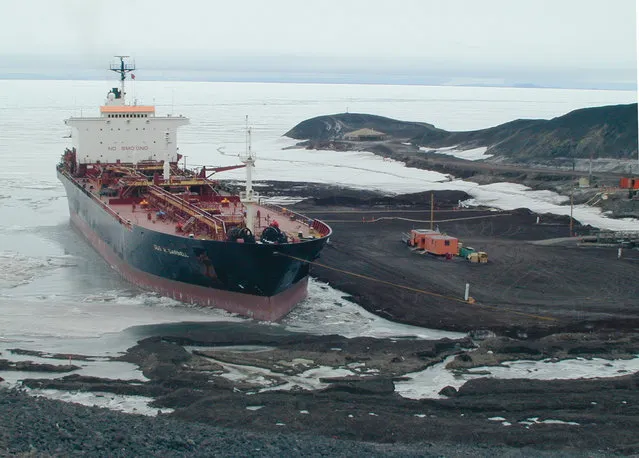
474 154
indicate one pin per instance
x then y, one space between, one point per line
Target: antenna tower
122 68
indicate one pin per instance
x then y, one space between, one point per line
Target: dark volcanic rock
448 391
369 385
39 427
42 354
599 132
96 384
333 127
443 199
497 350
609 131
30 366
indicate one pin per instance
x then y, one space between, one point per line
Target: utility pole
571 206
432 210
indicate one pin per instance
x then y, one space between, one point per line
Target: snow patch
123 403
473 154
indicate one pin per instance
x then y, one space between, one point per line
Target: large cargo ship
175 230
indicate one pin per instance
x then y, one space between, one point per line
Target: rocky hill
333 127
600 132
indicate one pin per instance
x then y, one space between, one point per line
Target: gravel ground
38 427
525 289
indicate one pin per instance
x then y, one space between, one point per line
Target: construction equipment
465 251
472 255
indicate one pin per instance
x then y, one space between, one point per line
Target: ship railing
106 208
289 214
321 227
318 226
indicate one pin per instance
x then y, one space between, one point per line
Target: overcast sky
588 42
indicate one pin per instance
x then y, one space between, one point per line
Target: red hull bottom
262 308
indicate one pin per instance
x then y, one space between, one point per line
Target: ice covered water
339 315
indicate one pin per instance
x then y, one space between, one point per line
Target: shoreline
492 416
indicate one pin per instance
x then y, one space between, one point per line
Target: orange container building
629 183
418 237
441 245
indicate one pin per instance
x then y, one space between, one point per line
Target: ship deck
148 218
175 221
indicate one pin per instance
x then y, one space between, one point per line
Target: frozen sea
56 293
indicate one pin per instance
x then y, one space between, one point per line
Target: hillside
333 127
600 132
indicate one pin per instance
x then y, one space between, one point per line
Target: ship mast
248 197
122 69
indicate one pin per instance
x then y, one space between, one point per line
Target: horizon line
335 81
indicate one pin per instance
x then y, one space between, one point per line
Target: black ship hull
261 281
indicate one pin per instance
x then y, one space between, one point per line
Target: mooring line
417 290
382 218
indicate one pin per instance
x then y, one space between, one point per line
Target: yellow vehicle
478 257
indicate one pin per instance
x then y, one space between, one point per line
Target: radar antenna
122 68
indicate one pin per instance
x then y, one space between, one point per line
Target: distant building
365 135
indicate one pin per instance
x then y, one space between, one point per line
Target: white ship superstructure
125 133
